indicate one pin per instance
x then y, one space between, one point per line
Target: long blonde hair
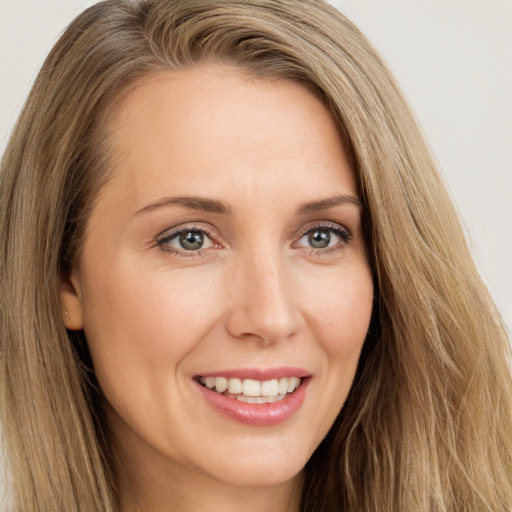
428 423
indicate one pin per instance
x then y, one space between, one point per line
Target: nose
264 304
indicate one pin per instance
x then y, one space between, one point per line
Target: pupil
319 239
191 240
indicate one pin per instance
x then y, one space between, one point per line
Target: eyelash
344 235
163 241
341 232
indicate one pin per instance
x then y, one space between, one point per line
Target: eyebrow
190 202
325 204
214 206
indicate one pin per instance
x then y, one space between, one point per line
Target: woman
234 279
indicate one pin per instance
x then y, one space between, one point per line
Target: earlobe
71 304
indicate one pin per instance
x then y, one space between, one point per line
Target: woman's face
226 251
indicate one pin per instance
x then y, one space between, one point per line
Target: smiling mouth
252 391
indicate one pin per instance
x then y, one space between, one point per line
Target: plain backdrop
453 59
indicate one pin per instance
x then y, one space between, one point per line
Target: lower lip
260 415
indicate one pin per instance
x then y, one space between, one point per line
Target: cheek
339 315
341 312
140 323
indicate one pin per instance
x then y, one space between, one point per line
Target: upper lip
258 373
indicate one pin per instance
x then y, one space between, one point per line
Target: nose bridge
264 306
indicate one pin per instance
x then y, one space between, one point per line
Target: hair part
427 425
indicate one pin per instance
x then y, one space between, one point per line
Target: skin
256 295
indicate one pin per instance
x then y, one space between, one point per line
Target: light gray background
453 59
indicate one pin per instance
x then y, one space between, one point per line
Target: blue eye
189 240
324 237
319 238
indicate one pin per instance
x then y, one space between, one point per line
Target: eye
325 237
191 240
319 238
186 240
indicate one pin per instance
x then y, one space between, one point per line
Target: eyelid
321 224
170 233
189 226
340 230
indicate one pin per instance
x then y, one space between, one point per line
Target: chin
261 467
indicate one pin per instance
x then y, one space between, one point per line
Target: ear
71 302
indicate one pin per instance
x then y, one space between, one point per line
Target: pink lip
259 373
261 415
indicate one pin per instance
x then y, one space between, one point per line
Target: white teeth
293 384
235 386
251 387
270 388
221 384
259 399
268 391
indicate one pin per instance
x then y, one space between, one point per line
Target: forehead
213 125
